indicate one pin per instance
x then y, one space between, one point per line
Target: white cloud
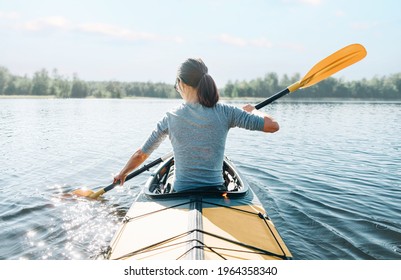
46 23
262 42
240 42
116 31
102 29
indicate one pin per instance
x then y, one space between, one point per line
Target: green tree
41 83
115 89
228 89
271 79
60 86
24 86
11 88
4 77
79 89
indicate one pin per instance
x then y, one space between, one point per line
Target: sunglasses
176 85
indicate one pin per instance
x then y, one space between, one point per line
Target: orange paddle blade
333 63
82 192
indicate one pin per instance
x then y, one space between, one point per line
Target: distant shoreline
27 96
251 100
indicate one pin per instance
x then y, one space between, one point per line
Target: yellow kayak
217 224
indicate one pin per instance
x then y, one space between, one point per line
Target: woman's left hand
248 108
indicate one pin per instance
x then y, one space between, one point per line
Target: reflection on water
329 178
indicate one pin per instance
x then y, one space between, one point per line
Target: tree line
44 83
386 88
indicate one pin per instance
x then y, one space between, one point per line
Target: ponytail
193 72
208 94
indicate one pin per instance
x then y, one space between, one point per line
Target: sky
129 40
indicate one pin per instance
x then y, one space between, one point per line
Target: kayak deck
230 224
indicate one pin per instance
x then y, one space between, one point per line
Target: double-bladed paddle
322 70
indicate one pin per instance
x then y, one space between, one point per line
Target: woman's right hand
136 159
119 177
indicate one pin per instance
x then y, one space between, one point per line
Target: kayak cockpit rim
159 187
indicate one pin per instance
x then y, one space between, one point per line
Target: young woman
198 130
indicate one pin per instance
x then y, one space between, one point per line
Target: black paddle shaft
272 98
135 173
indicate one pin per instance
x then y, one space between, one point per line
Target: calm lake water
330 178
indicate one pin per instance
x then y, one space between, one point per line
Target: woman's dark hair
193 72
